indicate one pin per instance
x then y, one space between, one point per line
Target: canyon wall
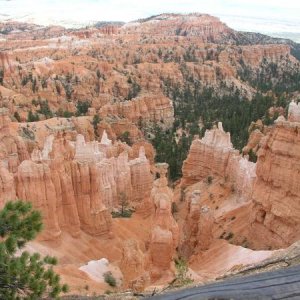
214 156
266 193
147 108
275 212
79 183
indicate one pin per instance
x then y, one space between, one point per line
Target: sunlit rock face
275 213
294 112
12 147
214 155
79 183
147 108
208 156
266 192
7 186
141 177
133 265
165 233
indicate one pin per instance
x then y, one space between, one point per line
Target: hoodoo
160 153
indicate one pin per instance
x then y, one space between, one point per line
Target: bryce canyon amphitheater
79 112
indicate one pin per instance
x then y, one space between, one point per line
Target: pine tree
24 276
96 120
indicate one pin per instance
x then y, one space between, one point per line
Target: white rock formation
105 140
87 151
294 112
96 270
217 137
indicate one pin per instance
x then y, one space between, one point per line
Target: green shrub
181 272
32 117
209 179
17 116
127 213
229 236
110 279
125 138
174 208
82 108
252 156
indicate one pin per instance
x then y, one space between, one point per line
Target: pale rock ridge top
294 112
217 137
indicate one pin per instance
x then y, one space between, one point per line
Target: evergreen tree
125 138
17 116
32 117
82 108
1 76
96 120
24 276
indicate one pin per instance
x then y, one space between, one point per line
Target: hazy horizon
270 17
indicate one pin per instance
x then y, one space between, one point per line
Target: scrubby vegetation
182 277
82 108
124 211
110 279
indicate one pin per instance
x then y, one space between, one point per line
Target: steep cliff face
275 212
214 156
265 193
45 198
254 55
7 185
208 156
146 108
13 149
79 183
294 112
133 265
165 234
141 177
215 193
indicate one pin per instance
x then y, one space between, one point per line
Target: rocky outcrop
165 234
253 142
294 112
80 184
198 226
30 176
215 156
266 193
242 174
144 108
133 265
207 157
141 177
207 28
50 170
253 55
7 186
275 212
12 147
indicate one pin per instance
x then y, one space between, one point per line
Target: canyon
79 111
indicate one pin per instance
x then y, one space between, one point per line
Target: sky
250 15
